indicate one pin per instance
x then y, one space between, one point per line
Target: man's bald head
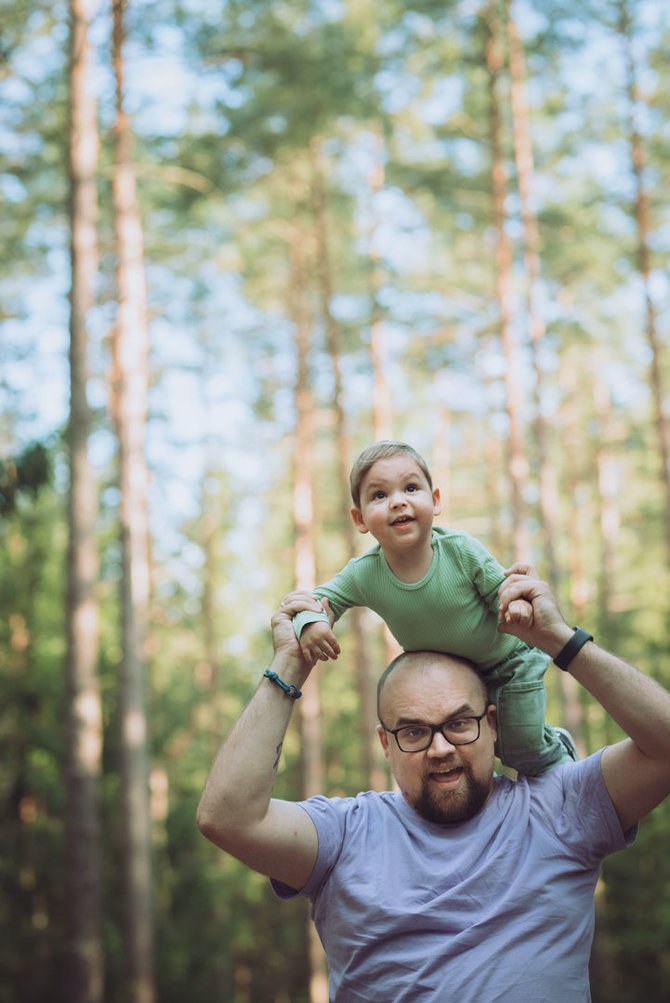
407 661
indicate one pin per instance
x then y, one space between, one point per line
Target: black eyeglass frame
435 728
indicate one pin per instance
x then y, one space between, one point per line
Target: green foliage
234 105
25 475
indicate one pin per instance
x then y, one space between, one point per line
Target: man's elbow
211 824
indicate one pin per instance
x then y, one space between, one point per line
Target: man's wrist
572 647
291 670
558 640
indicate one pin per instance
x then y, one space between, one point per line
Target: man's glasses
419 737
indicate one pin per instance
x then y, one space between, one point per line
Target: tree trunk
382 410
131 358
83 739
638 159
525 167
305 574
608 494
575 491
364 682
518 463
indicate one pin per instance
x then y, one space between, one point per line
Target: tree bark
525 168
83 739
364 681
638 161
518 463
131 364
382 409
309 706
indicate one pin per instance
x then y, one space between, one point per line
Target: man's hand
286 644
546 627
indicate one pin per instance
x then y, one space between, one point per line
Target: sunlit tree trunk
638 158
577 532
441 465
83 739
518 463
382 410
525 168
313 774
131 372
608 493
364 681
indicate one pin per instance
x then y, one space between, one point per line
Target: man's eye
416 732
459 724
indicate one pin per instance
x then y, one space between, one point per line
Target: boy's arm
341 594
636 771
487 574
236 810
316 639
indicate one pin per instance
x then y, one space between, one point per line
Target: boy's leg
525 742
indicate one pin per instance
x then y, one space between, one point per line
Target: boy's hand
318 643
547 628
519 612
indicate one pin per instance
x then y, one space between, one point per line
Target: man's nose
440 745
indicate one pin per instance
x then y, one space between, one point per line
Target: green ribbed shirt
454 608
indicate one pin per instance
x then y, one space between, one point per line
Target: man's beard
453 806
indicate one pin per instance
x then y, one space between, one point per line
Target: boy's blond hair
381 451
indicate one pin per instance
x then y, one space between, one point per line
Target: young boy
437 590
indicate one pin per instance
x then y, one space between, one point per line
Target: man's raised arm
236 810
637 770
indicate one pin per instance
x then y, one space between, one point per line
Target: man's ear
357 516
437 502
492 718
384 739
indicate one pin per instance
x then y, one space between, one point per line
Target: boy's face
397 504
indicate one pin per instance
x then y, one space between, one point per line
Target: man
460 886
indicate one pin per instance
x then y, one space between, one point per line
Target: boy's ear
437 502
357 516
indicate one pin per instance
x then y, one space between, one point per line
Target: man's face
444 783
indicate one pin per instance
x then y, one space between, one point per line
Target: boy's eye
378 494
411 487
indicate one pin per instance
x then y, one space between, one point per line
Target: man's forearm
638 704
239 787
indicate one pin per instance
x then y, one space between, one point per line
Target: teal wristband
575 644
289 689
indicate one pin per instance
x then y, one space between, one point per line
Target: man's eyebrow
465 708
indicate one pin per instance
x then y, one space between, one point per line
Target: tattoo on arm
278 751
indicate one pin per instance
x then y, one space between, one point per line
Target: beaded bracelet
575 644
289 689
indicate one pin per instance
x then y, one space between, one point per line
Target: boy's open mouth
401 519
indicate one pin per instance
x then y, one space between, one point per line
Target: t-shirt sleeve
340 591
482 569
583 816
330 818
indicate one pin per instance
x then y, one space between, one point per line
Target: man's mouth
446 776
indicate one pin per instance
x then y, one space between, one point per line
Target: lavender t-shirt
498 908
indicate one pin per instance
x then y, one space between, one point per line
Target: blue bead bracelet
289 689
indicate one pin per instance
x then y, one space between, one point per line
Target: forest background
241 240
